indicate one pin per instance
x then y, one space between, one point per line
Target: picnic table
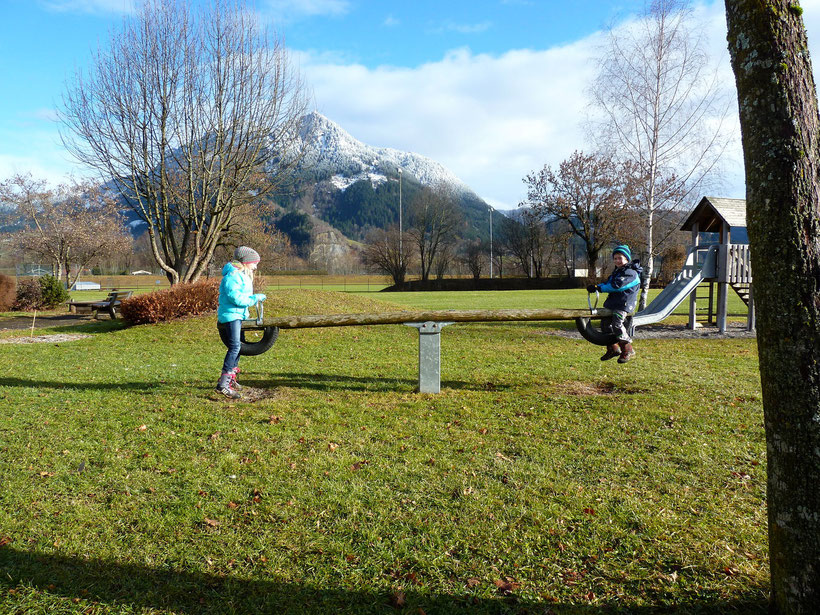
110 304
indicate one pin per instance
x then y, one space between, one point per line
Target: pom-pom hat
624 249
246 255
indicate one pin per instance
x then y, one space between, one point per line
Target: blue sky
492 89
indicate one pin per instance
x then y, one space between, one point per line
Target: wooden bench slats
109 304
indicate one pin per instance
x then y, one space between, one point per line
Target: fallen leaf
398 600
358 465
211 522
142 427
506 586
332 446
589 511
4 540
472 582
233 505
483 431
274 419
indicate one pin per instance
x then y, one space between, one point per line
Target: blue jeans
234 329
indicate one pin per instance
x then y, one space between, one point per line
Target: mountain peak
331 150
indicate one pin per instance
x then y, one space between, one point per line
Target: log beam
395 318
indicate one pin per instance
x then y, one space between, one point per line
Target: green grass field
540 480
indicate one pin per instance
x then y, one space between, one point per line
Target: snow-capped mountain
332 152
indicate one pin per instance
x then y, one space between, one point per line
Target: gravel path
42 322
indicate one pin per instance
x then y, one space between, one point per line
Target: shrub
8 292
29 295
53 292
175 302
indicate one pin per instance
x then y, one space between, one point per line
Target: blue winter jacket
623 286
235 295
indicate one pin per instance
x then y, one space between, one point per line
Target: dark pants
234 330
617 325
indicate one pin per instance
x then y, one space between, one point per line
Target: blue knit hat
624 249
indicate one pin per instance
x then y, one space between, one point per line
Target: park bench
110 304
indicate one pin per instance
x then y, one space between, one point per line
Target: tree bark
779 122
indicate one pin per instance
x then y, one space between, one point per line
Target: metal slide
665 303
675 292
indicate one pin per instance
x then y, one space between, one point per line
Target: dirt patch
586 389
44 339
250 395
579 388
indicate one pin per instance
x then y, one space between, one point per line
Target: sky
492 89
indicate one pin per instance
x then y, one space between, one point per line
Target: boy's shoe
627 353
611 352
228 392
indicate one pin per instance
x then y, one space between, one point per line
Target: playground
538 480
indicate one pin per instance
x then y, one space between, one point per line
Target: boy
623 286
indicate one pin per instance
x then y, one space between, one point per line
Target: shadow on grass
340 382
137 387
141 587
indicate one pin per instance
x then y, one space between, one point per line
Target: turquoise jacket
235 295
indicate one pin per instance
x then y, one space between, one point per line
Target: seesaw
428 323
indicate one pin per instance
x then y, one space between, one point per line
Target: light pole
401 247
491 243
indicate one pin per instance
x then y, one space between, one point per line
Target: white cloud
490 119
390 21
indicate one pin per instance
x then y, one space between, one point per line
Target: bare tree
251 229
434 223
779 122
382 254
663 110
188 114
73 225
472 255
524 236
590 192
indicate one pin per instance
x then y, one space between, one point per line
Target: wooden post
693 300
723 279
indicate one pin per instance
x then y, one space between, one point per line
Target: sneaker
234 384
626 355
611 353
229 392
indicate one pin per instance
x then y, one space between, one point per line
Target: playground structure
732 269
723 265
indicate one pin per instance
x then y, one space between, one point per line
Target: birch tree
779 122
661 107
188 113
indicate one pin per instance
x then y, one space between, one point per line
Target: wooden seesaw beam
428 323
398 318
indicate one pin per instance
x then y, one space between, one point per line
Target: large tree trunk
779 122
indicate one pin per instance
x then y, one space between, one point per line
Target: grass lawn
540 480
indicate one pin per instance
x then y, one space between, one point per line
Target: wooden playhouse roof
712 212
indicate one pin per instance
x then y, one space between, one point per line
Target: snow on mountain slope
333 152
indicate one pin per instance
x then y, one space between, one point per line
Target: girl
235 296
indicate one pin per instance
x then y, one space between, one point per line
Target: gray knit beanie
246 255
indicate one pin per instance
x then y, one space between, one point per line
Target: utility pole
491 243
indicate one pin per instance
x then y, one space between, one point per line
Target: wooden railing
738 264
